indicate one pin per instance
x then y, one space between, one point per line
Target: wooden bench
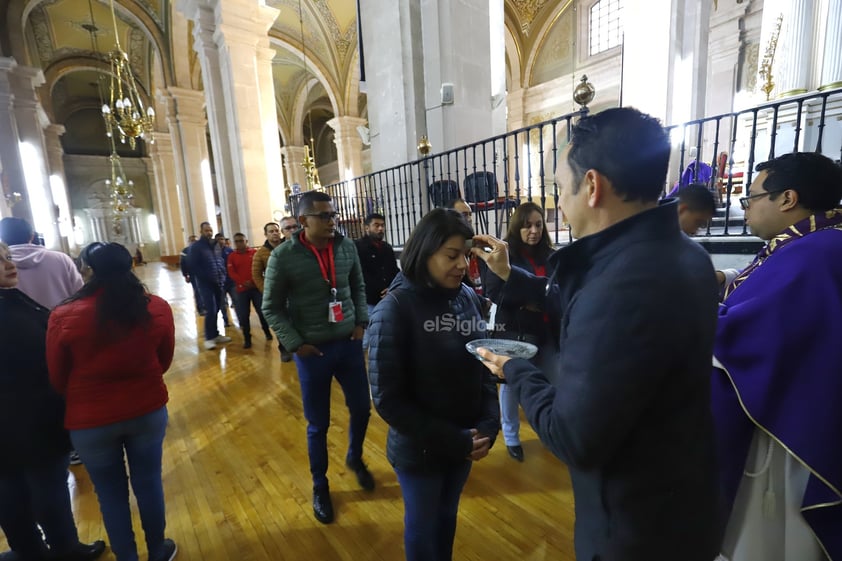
171 260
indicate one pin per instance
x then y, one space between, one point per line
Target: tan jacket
258 265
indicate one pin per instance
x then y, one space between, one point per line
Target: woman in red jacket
107 351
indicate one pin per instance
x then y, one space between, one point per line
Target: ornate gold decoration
309 163
125 113
424 145
584 92
769 60
527 10
310 169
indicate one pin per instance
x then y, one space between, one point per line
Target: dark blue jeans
431 503
242 305
37 496
344 360
212 299
101 450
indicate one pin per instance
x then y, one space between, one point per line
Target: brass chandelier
309 163
124 113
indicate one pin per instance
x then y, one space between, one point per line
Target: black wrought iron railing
495 175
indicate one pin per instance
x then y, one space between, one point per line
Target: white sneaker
222 339
210 344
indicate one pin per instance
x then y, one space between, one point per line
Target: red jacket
239 268
105 383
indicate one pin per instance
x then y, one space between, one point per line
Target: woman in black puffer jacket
36 447
439 401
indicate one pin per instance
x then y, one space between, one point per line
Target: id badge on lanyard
334 309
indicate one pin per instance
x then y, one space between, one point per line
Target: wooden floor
237 481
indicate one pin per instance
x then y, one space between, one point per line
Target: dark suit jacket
379 267
629 407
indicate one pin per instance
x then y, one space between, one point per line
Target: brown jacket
258 265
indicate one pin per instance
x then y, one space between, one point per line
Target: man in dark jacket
636 301
184 263
314 299
207 265
378 262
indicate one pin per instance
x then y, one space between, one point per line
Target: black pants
242 305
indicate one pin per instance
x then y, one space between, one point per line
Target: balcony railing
495 175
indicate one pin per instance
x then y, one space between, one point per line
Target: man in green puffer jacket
314 299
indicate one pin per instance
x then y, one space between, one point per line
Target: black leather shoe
364 477
322 506
83 552
268 334
516 452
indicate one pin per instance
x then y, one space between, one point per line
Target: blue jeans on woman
101 450
431 504
33 497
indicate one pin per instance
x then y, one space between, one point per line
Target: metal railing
495 175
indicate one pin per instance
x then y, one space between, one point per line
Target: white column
13 179
795 46
58 185
233 44
293 162
188 131
832 64
31 119
349 146
166 200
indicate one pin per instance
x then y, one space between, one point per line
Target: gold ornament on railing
769 60
124 113
424 145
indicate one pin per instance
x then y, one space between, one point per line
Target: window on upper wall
605 26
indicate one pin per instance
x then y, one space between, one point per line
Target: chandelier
119 188
124 113
309 163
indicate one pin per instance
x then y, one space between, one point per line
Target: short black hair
630 148
16 231
434 228
817 179
697 197
239 234
202 225
266 226
374 216
307 202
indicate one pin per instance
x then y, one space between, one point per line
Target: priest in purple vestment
777 380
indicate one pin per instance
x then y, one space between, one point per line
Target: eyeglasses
746 201
325 216
294 227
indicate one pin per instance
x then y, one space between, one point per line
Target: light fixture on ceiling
120 189
124 113
309 163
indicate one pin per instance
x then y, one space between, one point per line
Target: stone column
832 64
167 199
33 173
189 149
293 157
233 46
58 185
349 146
795 45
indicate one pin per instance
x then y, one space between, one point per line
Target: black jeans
242 305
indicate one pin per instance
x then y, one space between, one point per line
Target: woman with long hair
33 466
439 401
108 347
529 249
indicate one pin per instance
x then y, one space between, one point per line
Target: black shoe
322 506
364 477
83 552
516 452
286 357
169 551
75 460
247 340
268 334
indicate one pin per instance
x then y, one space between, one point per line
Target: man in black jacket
378 262
636 302
207 266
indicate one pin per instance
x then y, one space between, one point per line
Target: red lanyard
324 265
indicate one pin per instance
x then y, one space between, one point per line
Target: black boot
246 339
268 333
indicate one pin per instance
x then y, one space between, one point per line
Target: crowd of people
695 409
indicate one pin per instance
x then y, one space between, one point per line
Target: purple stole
779 340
